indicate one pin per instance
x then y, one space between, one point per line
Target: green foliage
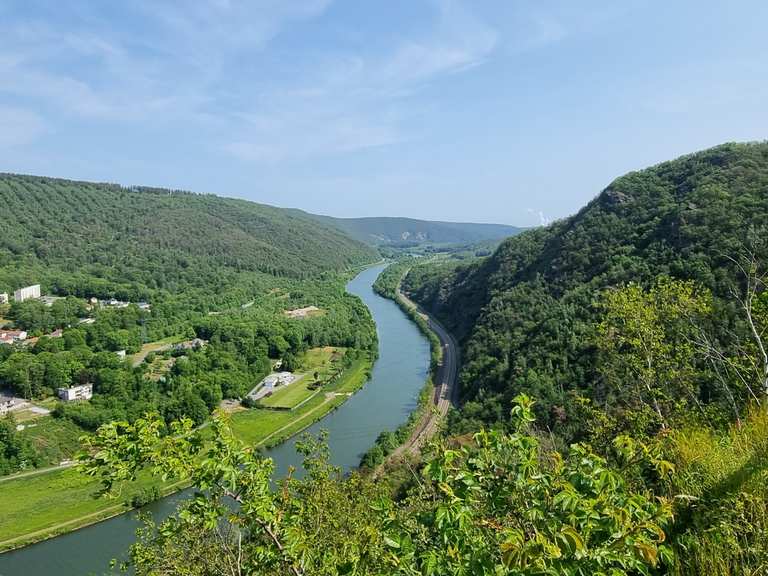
36 317
722 507
527 316
93 239
16 452
500 506
646 338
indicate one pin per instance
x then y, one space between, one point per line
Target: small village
10 337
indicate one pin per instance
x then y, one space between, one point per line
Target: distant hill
383 231
527 314
64 233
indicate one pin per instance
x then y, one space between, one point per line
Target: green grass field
270 427
290 396
321 361
55 439
39 506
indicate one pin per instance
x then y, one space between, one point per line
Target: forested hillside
110 240
203 286
644 314
529 314
409 232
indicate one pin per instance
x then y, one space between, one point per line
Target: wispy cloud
349 103
199 63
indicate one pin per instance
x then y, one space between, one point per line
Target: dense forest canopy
528 315
106 238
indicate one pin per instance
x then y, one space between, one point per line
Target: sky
506 111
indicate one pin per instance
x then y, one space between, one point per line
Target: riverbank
62 500
383 403
434 401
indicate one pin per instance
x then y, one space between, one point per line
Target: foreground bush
500 506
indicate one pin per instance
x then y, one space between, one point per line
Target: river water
383 404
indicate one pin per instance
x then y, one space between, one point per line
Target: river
383 404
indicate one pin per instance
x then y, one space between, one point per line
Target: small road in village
446 386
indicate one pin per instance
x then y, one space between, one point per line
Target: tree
646 342
499 506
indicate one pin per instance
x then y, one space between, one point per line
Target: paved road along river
384 403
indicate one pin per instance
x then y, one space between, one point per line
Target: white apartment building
83 392
28 293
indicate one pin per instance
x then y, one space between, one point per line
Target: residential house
82 392
12 336
3 298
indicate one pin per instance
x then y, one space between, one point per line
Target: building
195 344
82 392
4 298
6 404
121 354
12 336
28 293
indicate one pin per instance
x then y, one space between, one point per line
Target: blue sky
491 110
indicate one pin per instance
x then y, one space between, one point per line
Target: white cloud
198 64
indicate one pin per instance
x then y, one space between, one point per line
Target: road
446 386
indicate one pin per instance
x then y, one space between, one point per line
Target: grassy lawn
291 395
54 438
38 506
253 426
269 427
138 358
321 361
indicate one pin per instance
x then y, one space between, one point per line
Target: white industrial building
83 392
28 293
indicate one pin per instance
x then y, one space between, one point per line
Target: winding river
384 403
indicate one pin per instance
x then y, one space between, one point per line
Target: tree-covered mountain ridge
157 237
395 231
527 314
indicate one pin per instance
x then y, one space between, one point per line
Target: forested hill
528 314
407 231
156 238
